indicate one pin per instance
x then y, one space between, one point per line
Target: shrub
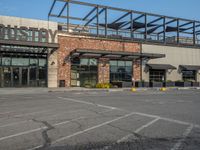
103 85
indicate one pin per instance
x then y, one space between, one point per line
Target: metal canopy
161 66
114 54
102 21
189 67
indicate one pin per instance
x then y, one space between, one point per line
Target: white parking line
32 113
38 129
21 122
185 135
88 103
138 130
168 119
86 130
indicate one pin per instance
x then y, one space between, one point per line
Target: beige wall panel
175 56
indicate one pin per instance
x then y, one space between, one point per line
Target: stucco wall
175 56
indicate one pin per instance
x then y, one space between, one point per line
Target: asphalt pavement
100 120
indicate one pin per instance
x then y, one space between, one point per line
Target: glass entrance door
24 77
6 76
16 77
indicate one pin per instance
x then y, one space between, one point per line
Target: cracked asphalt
122 120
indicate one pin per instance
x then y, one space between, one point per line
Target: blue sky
38 9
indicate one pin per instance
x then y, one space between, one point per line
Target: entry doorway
20 76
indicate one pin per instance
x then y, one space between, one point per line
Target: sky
38 9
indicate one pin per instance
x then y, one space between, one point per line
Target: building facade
98 48
28 52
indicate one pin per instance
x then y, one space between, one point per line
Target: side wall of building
174 56
70 43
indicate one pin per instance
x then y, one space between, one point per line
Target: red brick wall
68 44
103 71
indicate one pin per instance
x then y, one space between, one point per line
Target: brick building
102 45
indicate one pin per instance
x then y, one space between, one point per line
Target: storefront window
33 62
120 70
6 61
156 75
20 61
189 75
84 72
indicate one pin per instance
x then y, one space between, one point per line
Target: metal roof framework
105 21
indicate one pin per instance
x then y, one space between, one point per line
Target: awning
114 54
189 67
161 66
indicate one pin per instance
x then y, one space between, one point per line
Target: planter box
169 84
195 84
126 84
121 84
141 84
156 84
183 84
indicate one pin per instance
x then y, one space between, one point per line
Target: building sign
30 34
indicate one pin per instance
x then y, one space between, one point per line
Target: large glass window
156 75
189 75
121 70
84 72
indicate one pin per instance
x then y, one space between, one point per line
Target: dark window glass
189 75
84 72
120 70
157 75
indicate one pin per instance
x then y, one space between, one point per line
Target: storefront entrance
19 70
84 72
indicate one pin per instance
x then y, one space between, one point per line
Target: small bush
103 85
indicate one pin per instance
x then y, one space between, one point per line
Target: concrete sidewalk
7 91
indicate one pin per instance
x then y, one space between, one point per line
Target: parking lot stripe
138 130
21 122
37 129
92 128
168 119
185 135
88 103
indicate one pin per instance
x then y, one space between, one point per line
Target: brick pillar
103 71
136 70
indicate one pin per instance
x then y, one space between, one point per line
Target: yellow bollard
133 89
163 89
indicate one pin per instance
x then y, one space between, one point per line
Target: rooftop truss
104 21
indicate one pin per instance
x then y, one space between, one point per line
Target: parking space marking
168 119
185 135
31 113
138 130
38 129
86 130
88 103
21 122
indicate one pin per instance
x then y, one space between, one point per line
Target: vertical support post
131 17
178 31
97 20
164 30
106 22
194 33
145 18
68 17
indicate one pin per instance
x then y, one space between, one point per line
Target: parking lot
100 120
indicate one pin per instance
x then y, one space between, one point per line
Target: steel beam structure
147 27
